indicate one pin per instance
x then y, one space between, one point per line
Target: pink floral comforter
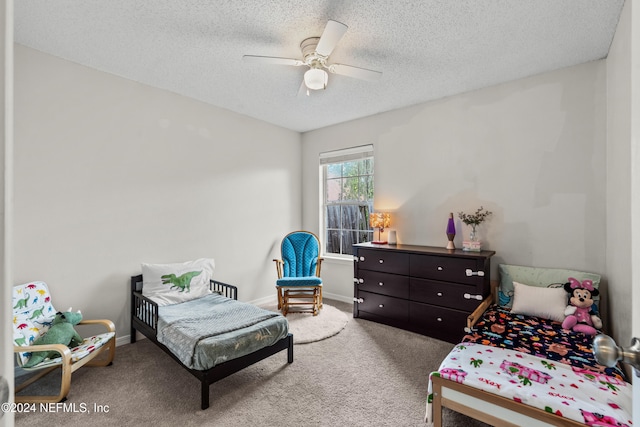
586 396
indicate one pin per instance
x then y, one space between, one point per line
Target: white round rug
307 328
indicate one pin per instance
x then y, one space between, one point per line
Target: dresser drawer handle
470 272
439 294
439 319
361 258
381 261
360 281
440 268
469 296
358 300
381 306
381 284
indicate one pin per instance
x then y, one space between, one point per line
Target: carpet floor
307 328
366 375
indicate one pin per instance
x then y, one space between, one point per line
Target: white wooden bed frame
484 406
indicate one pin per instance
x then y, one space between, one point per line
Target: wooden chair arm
477 313
279 264
60 348
105 322
320 259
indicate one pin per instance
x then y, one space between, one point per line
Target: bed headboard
136 283
221 288
539 277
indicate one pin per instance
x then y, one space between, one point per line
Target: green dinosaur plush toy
60 332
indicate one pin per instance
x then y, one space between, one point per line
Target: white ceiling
426 49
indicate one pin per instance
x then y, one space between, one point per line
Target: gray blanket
213 329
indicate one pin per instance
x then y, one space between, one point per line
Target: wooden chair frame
107 351
304 297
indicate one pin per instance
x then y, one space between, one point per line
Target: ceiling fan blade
356 72
304 90
272 60
331 35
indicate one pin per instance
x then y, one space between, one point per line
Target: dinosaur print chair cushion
175 283
33 313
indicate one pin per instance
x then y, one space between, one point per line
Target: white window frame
334 157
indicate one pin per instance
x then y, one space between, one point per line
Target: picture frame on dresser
424 289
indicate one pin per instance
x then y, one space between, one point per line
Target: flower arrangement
476 218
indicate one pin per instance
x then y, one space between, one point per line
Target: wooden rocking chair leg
106 356
65 386
279 297
35 378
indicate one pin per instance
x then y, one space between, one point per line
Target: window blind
348 154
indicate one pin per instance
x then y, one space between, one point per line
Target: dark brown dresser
424 289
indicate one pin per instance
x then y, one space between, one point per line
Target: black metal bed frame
144 318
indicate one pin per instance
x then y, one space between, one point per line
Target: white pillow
181 282
548 303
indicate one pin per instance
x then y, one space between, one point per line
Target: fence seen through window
348 200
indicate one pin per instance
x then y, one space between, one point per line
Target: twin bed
518 367
211 336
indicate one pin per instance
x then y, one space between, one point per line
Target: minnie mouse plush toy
580 316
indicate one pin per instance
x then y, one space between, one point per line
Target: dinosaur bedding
213 329
178 282
534 361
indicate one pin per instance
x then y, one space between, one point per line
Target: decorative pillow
549 303
537 276
174 283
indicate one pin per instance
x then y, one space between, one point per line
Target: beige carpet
367 375
307 328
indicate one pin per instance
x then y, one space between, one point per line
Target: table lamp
379 220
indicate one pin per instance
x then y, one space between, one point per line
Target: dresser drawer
384 261
383 283
445 294
440 322
385 306
450 269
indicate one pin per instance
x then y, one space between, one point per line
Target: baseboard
336 297
125 340
264 300
272 299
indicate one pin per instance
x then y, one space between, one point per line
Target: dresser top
433 250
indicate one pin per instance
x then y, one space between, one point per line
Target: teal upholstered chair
299 282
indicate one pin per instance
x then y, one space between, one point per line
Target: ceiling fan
315 54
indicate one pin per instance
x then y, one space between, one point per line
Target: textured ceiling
426 49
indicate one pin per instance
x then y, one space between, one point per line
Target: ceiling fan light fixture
316 79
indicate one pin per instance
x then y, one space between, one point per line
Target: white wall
623 181
619 182
532 151
110 173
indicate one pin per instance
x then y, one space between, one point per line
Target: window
347 181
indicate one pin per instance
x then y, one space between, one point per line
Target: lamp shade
379 220
316 79
451 227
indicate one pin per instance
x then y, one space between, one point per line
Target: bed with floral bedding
518 366
200 324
